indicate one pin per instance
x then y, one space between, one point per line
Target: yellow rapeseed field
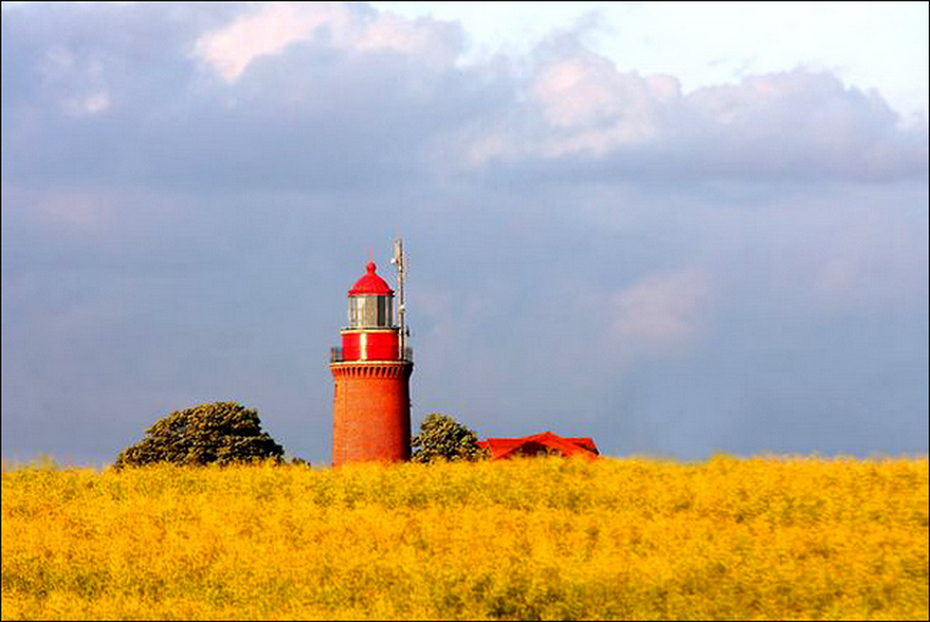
781 538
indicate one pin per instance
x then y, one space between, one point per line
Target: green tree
443 438
221 432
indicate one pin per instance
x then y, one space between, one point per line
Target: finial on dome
371 283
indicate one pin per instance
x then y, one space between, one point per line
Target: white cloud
588 90
57 61
660 310
578 104
231 48
868 44
593 108
79 82
90 104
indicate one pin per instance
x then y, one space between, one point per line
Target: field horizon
47 460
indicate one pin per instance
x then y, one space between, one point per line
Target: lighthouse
371 403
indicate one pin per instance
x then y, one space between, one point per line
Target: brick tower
371 405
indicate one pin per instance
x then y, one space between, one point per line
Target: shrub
443 438
221 432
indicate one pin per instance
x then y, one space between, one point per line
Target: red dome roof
371 284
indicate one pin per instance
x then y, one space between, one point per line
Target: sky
679 229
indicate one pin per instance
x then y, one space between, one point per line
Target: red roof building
543 444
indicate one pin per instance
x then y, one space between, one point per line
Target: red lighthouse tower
371 405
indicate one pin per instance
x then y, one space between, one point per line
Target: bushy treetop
221 432
443 438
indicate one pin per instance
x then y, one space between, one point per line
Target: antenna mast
401 263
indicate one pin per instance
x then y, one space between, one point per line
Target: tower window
370 312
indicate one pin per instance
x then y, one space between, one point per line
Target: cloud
344 87
579 112
660 310
90 104
230 49
587 92
79 84
360 91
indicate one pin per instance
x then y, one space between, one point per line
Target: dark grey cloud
311 116
742 268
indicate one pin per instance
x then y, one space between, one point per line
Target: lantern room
371 301
372 334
